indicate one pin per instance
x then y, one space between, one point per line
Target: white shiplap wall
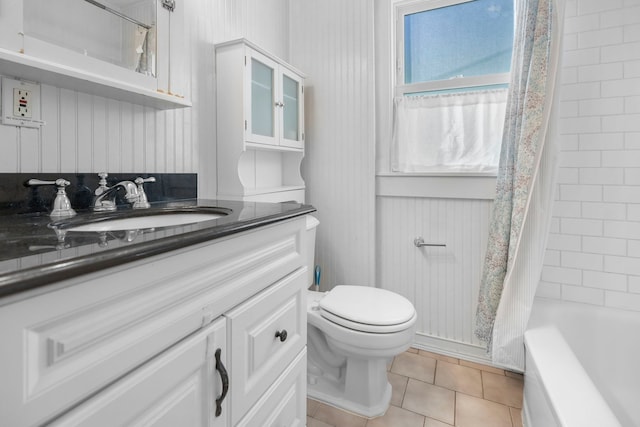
360 241
332 42
441 282
89 133
593 254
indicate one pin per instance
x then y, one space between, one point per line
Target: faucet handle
61 204
33 182
142 202
140 180
102 184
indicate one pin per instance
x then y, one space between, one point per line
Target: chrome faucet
106 196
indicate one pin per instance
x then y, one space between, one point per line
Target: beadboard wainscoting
332 42
90 133
442 282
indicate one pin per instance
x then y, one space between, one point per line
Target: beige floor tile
312 422
312 405
336 417
430 422
459 378
412 350
414 366
502 389
438 356
398 385
474 412
516 417
430 400
482 367
397 417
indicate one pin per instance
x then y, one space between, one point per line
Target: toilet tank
310 247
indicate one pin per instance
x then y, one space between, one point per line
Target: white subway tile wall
594 247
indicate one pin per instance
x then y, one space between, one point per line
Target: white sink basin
149 221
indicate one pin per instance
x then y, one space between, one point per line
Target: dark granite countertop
37 251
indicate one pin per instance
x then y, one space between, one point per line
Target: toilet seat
367 309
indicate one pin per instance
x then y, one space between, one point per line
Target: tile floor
431 390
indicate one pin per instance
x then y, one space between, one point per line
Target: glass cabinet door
261 124
290 100
273 114
291 110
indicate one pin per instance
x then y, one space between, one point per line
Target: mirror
121 32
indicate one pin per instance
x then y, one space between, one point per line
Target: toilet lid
367 309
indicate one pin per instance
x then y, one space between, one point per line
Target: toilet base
328 393
365 390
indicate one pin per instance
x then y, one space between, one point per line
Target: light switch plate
18 109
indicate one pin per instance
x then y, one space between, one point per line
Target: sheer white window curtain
454 132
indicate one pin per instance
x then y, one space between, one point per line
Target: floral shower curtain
524 191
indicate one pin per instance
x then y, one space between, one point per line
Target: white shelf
255 191
268 147
14 64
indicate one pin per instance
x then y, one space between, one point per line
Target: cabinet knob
282 335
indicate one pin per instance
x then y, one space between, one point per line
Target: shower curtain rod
115 12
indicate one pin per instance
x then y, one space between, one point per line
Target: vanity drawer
260 355
285 403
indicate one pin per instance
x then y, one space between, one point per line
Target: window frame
401 9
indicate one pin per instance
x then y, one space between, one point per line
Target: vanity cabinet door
179 387
266 334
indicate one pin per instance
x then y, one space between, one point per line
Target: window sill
437 185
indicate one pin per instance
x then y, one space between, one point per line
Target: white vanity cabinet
151 342
260 124
132 50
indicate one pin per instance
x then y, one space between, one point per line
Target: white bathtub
582 366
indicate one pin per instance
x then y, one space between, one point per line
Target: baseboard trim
451 348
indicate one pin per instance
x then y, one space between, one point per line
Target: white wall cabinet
260 124
273 111
137 345
80 46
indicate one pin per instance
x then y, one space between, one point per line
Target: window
453 60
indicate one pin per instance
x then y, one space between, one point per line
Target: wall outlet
20 103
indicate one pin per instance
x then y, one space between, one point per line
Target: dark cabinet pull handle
225 382
282 335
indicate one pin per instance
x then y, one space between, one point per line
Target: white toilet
353 332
